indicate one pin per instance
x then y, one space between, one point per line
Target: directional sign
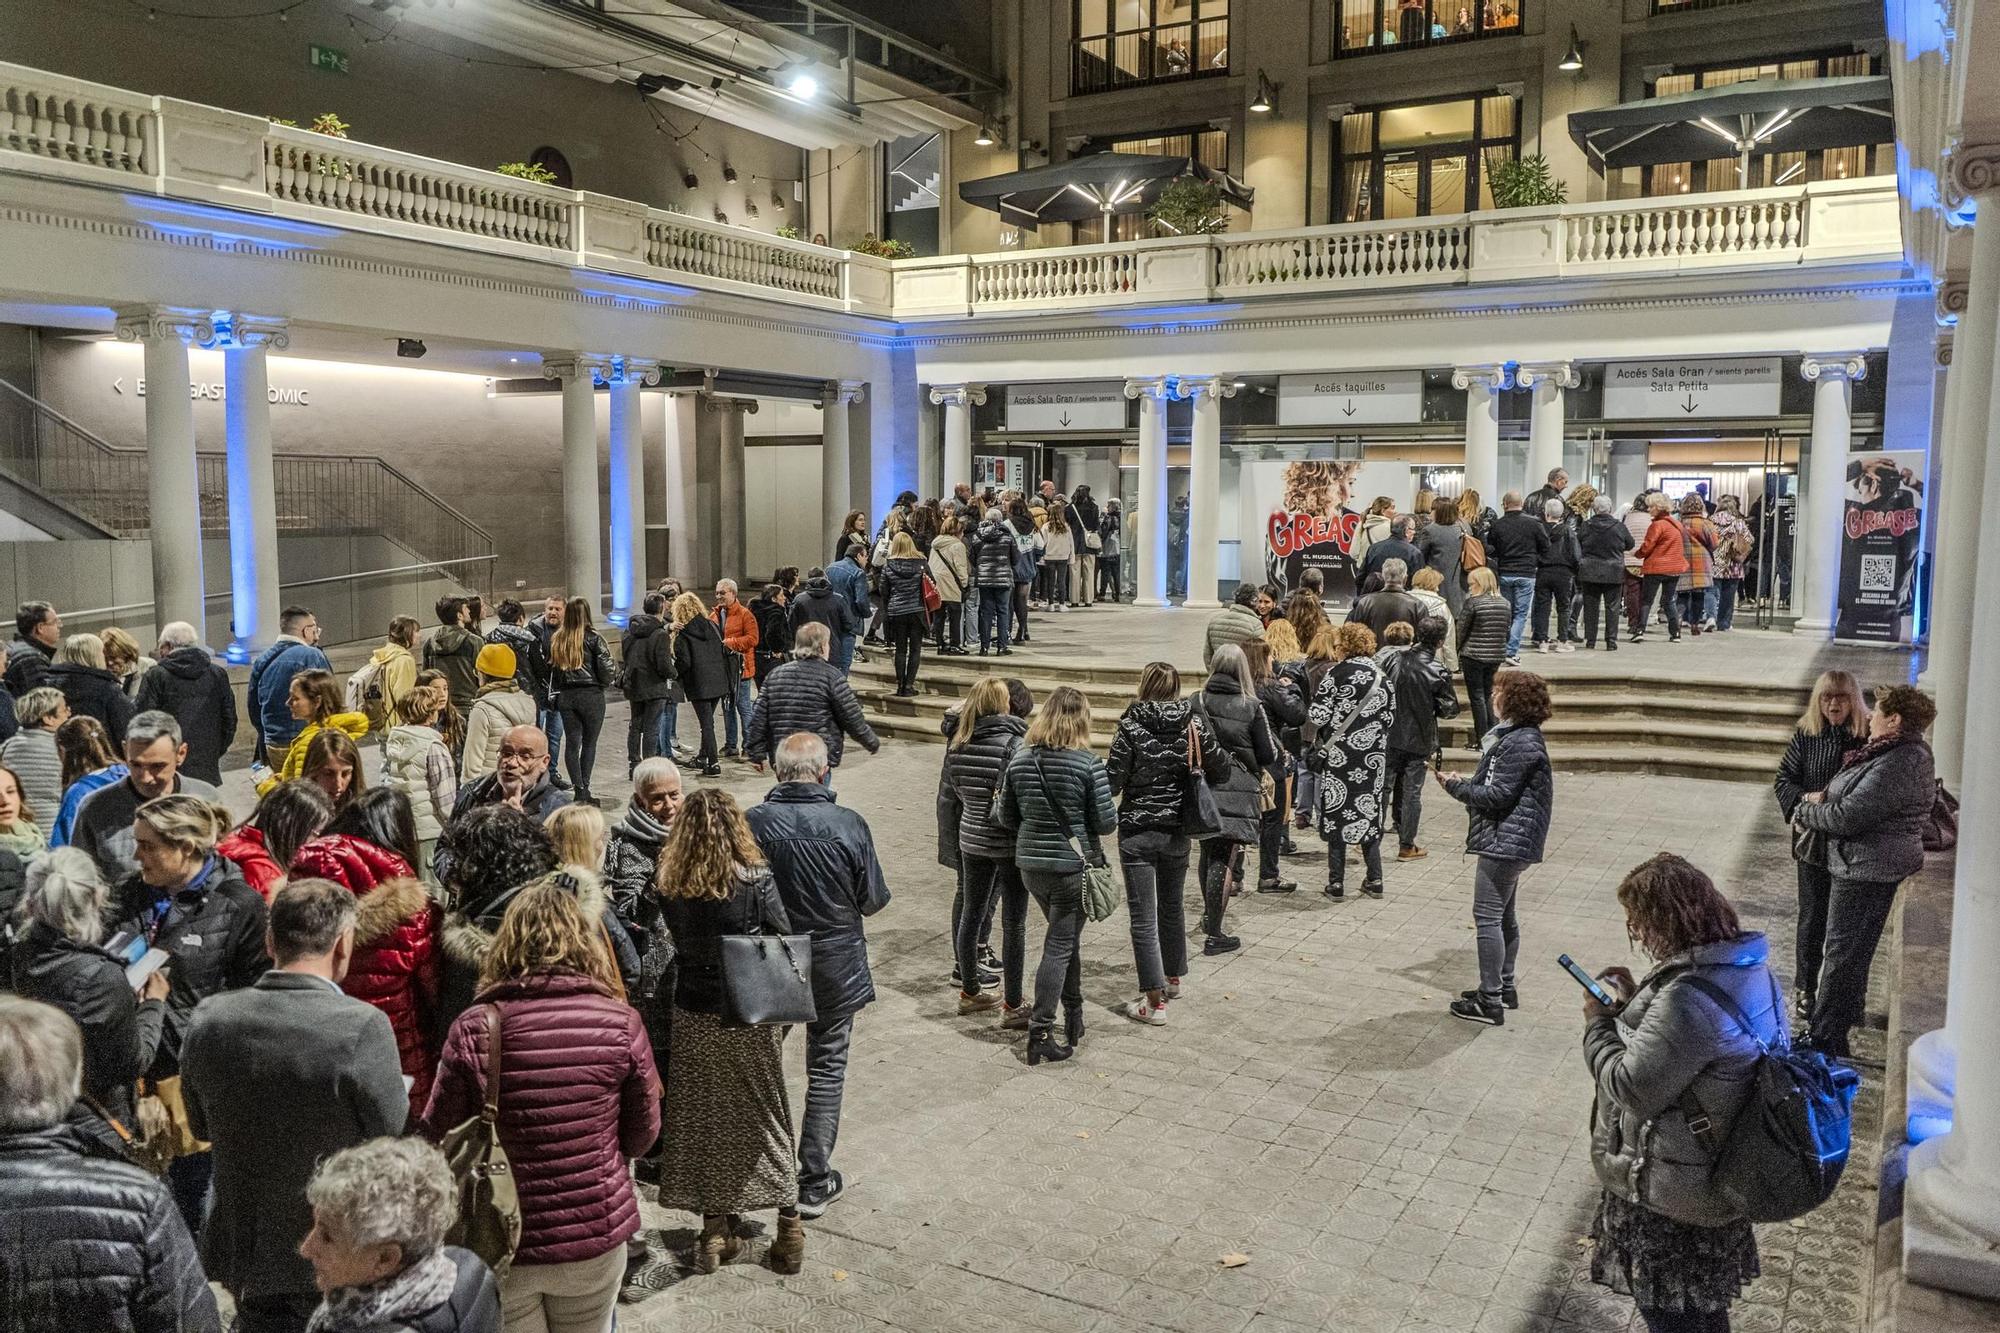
1351 398
1090 405
1691 390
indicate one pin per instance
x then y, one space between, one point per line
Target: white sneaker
1565 647
1543 648
1143 1010
1173 988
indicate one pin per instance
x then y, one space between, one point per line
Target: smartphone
152 962
1588 982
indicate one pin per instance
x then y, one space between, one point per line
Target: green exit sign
327 58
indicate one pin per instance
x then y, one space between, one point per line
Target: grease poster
1305 514
1881 542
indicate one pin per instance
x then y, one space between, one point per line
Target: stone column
958 401
1483 386
729 550
836 437
253 487
1816 558
583 532
628 486
1204 482
1151 539
173 490
1545 419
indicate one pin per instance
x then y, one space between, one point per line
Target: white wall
781 491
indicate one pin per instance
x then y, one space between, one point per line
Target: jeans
736 713
1692 600
1493 886
1479 691
583 718
1155 863
1086 577
843 652
827 1040
1217 857
951 625
1662 586
645 733
1109 575
1856 911
1815 885
1555 586
1607 596
906 638
996 617
1519 589
551 723
1058 571
1371 864
1406 776
704 714
1725 591
986 881
579 1297
1060 896
1635 603
273 1312
1685 1321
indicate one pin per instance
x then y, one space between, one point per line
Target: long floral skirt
727 1139
1667 1265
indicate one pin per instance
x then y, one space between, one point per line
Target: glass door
1422 181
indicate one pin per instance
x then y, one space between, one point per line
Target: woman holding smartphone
1688 1036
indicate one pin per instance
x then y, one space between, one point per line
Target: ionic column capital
1943 349
958 395
233 330
1560 374
1496 376
1156 386
576 366
145 323
1214 387
1952 295
1834 366
721 405
632 370
846 393
1971 169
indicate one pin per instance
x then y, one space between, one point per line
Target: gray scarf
424 1285
643 826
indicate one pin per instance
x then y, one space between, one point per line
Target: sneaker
1479 1010
1565 647
1542 648
1802 1007
1014 1017
1513 661
988 960
731 752
1509 997
1143 1010
1216 944
1173 988
1371 891
1335 892
1411 854
977 1004
815 1199
985 978
1276 886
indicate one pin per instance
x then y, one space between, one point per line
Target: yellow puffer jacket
354 724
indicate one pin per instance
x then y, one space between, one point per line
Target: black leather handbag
766 979
1200 817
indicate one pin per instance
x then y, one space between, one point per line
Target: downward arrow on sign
1063 419
1690 405
1348 411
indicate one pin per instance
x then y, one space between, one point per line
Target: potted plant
871 244
1189 206
333 127
527 171
1527 182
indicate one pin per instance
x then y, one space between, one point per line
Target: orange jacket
1661 552
739 633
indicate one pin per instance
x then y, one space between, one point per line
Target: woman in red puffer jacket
290 814
398 952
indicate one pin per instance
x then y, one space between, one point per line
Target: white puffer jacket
417 763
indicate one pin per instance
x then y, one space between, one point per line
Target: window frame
1149 37
1476 164
1385 16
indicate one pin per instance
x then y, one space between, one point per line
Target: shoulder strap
1049 795
490 1103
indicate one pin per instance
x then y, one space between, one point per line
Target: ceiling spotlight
985 136
729 173
750 207
802 84
410 347
1267 94
1572 61
648 84
690 180
722 217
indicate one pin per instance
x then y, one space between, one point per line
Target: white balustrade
1054 275
1715 226
68 120
737 254
1365 254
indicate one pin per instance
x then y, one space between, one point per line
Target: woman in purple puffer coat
578 1097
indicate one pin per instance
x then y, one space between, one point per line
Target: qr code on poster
1878 573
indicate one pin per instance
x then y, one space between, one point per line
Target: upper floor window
1677 6
1768 169
1124 43
1425 158
1363 26
1206 146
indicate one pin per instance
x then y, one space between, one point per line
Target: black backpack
1785 1152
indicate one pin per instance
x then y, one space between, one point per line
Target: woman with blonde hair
125 659
1477 516
91 689
578 1095
1058 549
579 674
1835 725
1056 797
701 665
903 594
986 737
1427 586
580 834
728 1146
416 760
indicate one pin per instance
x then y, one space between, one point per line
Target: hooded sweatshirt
819 604
398 677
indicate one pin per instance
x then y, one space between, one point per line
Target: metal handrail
300 583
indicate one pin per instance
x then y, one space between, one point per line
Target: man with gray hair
1393 604
1555 580
811 694
1398 545
30 753
822 857
86 1242
278 1076
1516 545
193 687
154 754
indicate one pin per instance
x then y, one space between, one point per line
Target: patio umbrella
1094 185
1758 115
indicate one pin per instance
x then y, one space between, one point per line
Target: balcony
55 127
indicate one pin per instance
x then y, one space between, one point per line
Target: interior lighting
803 85
1267 94
1572 61
985 136
411 348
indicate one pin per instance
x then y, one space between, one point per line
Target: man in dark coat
1516 546
808 694
1379 610
85 1242
37 635
193 688
1396 546
520 780
822 857
278 1076
649 680
1423 695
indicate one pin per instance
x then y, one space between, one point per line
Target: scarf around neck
1877 746
422 1286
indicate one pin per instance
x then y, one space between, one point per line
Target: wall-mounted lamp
1572 61
985 136
1267 95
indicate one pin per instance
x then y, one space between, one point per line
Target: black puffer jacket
774 634
194 688
1243 731
649 660
699 660
214 928
809 694
1563 553
594 674
1483 627
94 692
903 581
1149 768
92 1244
1036 784
531 667
823 858
992 546
1510 797
1602 542
1423 695
120 1034
1284 704
971 779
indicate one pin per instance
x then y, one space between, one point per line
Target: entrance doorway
1422 181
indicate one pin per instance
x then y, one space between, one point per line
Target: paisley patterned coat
1354 766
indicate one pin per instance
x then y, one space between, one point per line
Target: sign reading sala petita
1745 386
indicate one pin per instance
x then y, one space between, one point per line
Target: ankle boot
1042 1045
717 1246
1072 1023
788 1251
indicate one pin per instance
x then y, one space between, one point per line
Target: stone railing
55 126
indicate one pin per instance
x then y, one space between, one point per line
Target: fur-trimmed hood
468 939
386 907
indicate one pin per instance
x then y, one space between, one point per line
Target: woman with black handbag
1159 755
1056 797
1228 703
728 1147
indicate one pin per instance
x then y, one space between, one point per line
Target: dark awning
1091 186
1737 120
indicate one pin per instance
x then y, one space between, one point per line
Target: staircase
1641 723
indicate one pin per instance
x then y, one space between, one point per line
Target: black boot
1042 1045
1072 1023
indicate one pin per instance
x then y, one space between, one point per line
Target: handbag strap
1049 795
1347 723
1193 747
489 1108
